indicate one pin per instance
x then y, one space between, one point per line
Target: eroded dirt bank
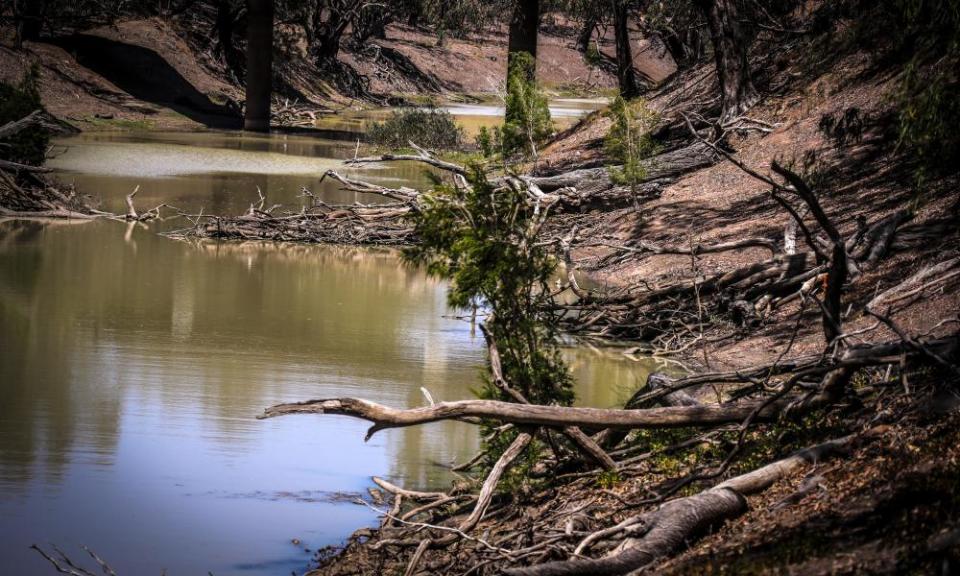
157 73
712 274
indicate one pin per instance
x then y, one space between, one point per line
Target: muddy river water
132 367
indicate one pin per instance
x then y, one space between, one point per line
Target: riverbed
132 366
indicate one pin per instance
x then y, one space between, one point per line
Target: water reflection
131 367
564 111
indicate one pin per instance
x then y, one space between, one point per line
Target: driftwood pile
24 189
295 114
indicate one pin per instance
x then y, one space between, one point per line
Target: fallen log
670 527
16 126
663 166
384 417
585 443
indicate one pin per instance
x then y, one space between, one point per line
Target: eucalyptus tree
730 47
524 27
259 64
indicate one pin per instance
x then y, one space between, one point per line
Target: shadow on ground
145 75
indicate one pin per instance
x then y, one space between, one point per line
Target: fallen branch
384 417
423 156
672 526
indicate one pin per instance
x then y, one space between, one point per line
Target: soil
890 506
869 179
154 73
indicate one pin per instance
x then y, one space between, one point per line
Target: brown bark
523 29
226 23
837 271
259 64
730 50
586 33
28 15
626 74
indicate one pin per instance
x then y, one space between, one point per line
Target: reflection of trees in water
38 415
228 328
88 322
605 378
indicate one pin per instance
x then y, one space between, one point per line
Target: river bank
691 274
158 74
119 343
708 269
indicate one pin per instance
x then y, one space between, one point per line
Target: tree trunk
523 29
586 33
626 75
28 15
730 48
259 64
226 24
329 35
677 522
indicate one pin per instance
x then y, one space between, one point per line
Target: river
132 367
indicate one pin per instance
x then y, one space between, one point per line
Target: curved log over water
384 417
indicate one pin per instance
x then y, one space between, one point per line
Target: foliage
928 100
929 112
486 141
629 141
592 55
608 479
922 37
17 101
527 121
482 239
431 128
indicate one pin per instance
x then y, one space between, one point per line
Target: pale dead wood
384 417
668 528
422 157
412 494
16 126
586 444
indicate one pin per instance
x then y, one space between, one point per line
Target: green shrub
430 128
16 101
929 114
629 141
527 122
928 99
483 242
922 36
487 141
592 56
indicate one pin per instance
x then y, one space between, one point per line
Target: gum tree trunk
586 33
29 19
730 48
523 28
259 64
626 75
